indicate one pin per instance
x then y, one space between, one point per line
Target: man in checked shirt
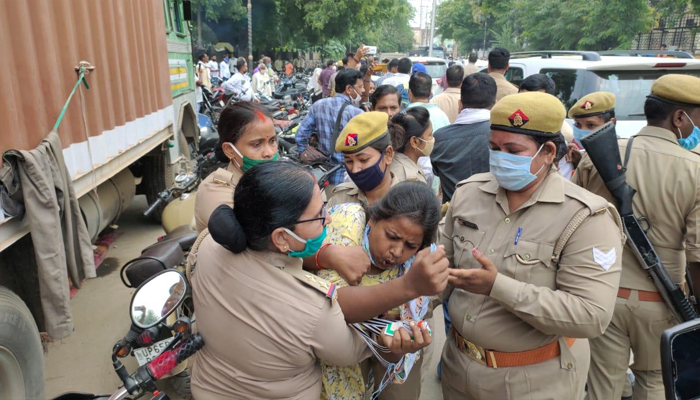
322 119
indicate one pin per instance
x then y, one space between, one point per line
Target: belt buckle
474 353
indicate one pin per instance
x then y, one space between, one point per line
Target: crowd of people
232 75
480 200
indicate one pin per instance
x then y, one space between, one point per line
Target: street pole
420 22
432 30
250 37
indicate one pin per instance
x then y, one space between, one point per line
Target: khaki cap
363 130
683 90
530 113
592 104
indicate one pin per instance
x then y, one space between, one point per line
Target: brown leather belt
495 359
643 295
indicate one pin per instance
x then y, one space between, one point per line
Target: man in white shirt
239 84
224 71
214 70
400 80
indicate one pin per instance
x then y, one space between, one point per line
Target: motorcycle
153 302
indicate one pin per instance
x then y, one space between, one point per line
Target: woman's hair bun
397 134
225 229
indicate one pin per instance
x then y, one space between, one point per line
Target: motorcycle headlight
204 131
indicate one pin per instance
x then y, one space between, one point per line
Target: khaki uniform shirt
470 69
448 101
404 169
503 87
264 329
667 180
215 190
347 192
533 301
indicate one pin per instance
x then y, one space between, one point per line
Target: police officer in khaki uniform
247 138
265 321
536 265
591 112
499 63
366 145
666 176
412 138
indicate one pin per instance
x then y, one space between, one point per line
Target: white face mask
356 100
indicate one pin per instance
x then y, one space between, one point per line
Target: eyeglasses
324 215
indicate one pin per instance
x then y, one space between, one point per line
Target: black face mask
369 178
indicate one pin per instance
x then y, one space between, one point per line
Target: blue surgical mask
512 171
580 134
690 142
313 245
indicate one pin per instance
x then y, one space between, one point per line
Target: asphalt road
82 361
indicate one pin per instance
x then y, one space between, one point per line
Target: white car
579 73
436 69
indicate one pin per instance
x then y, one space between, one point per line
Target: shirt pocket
530 262
465 238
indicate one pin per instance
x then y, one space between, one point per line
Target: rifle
604 151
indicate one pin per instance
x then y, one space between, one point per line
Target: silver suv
578 73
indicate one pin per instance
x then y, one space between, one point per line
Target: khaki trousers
636 325
563 377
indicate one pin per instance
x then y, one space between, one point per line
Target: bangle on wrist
318 253
367 80
357 60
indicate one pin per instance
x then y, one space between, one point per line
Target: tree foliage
303 24
552 24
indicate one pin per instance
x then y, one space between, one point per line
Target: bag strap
336 129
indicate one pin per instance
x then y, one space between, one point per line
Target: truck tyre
157 176
21 352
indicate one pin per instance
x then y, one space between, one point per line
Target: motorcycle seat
184 235
154 259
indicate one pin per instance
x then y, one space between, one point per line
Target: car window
630 89
570 84
436 69
515 76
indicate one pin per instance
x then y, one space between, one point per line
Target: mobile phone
371 50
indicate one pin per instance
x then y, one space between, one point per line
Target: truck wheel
21 353
157 176
182 384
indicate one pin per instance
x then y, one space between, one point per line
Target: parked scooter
152 303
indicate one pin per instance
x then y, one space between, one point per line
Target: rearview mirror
680 361
157 298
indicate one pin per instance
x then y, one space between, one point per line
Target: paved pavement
82 361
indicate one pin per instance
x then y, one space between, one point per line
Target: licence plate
147 354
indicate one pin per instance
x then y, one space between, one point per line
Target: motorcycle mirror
680 360
157 298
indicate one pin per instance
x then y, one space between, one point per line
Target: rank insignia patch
518 118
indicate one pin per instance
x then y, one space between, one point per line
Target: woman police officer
265 321
412 138
247 138
536 265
